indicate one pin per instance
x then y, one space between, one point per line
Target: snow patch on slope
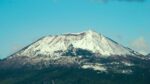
95 66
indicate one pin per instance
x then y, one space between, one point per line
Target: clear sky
24 21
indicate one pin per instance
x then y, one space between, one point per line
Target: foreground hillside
72 76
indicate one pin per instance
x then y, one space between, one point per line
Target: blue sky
24 21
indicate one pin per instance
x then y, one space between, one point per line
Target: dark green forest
63 75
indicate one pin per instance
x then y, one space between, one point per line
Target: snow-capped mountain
87 50
89 40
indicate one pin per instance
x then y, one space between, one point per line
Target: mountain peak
90 31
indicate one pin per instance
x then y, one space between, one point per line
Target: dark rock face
71 51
